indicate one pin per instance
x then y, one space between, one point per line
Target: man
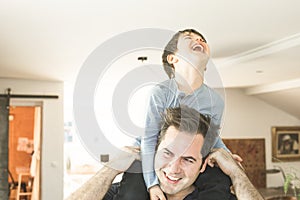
178 163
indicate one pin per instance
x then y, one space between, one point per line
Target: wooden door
254 159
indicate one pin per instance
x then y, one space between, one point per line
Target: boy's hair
184 119
171 48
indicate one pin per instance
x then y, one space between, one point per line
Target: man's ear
171 58
203 167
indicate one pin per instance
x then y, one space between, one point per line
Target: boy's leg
131 187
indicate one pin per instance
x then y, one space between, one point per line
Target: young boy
184 59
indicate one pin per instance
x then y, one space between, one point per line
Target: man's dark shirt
213 184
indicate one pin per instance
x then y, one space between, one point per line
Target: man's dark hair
184 119
171 48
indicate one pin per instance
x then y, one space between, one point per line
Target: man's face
178 161
192 49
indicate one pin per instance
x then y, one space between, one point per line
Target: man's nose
174 166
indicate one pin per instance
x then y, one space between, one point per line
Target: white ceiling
255 45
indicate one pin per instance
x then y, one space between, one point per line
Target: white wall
249 117
52 130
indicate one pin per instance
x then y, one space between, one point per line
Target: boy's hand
156 193
237 158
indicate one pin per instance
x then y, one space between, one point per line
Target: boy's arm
152 128
216 120
220 144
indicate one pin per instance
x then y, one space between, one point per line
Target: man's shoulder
199 194
213 184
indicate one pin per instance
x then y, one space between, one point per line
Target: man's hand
156 193
123 160
224 160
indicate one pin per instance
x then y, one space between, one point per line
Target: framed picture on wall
286 143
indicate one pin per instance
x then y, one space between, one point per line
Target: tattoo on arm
243 188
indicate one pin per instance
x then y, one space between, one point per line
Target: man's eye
188 160
167 154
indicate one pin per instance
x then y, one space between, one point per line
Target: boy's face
193 43
178 161
192 50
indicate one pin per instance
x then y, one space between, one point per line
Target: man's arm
97 186
243 188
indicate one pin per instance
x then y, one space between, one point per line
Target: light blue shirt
166 95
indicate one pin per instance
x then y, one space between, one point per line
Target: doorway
24 152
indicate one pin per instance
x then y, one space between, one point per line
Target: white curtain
35 161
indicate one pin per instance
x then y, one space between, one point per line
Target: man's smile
171 179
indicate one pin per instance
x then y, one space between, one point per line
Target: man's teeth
173 178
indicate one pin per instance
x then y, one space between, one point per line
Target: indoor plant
292 181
